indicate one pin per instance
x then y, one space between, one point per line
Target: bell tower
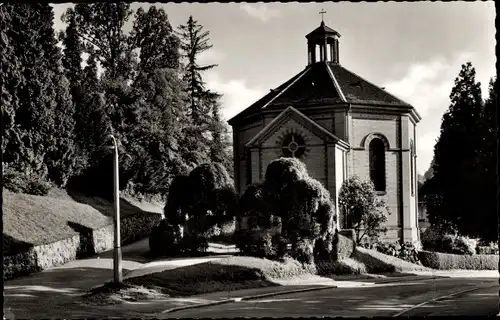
327 40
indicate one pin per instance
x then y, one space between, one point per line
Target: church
339 125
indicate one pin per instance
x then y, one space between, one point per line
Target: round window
293 145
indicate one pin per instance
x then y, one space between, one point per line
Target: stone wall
41 257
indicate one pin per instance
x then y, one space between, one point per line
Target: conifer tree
452 193
44 112
194 41
72 59
10 79
486 222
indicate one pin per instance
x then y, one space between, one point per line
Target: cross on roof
322 12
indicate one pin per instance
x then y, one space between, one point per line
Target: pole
117 253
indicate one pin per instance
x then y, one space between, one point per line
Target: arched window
293 146
377 163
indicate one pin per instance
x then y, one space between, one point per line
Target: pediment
292 114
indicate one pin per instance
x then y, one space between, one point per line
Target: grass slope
226 274
365 261
30 220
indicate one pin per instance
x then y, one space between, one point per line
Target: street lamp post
117 253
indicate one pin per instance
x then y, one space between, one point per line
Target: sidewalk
56 292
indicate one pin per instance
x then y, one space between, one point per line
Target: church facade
339 125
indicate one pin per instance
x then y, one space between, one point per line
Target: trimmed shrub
204 201
257 243
138 226
165 239
447 261
282 172
291 203
344 244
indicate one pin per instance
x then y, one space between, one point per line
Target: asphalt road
415 298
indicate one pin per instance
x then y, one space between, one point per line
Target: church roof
323 83
322 30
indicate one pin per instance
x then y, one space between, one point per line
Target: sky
413 49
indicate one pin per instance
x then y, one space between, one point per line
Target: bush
21 183
446 261
258 243
204 200
405 251
435 239
431 238
487 248
165 239
288 203
303 251
464 245
194 243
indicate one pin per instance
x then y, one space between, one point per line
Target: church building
339 125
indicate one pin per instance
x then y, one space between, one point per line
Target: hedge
133 227
448 261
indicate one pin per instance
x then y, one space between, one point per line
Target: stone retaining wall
41 257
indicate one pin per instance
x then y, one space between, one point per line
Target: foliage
205 134
165 239
293 204
203 201
152 33
464 245
18 182
405 251
459 150
447 261
38 111
431 238
487 212
487 248
436 239
344 244
366 212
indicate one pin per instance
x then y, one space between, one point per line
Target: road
415 298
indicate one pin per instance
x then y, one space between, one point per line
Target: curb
271 294
404 279
244 298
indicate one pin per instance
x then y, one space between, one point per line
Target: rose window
293 146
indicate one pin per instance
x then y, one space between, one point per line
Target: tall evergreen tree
72 60
10 79
200 100
451 195
44 112
486 222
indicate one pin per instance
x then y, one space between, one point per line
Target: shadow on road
52 293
